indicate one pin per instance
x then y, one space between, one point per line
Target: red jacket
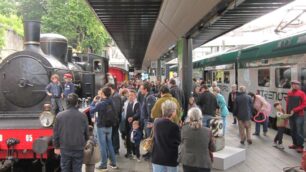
296 101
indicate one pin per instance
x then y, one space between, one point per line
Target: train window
264 77
207 77
226 77
98 66
303 77
217 76
282 77
214 76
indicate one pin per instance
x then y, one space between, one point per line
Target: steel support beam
158 70
186 77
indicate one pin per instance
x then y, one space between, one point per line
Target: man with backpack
106 119
131 110
118 104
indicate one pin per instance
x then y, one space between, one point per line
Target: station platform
261 156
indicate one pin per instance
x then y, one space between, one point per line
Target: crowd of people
138 110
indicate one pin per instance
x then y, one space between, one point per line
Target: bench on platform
228 157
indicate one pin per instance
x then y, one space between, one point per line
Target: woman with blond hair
197 144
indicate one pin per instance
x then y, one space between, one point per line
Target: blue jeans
106 145
95 132
297 129
264 124
71 160
163 168
56 105
224 124
206 120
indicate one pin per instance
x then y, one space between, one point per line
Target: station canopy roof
145 29
130 24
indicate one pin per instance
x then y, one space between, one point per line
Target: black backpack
109 118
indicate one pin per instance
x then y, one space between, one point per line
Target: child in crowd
136 136
55 91
281 123
68 87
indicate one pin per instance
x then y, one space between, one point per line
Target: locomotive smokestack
31 34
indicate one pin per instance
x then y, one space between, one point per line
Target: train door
217 76
227 81
207 76
247 77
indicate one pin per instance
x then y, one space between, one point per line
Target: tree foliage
75 20
71 18
8 7
31 9
9 20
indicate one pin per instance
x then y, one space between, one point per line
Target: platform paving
261 156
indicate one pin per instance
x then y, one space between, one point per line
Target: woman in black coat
166 140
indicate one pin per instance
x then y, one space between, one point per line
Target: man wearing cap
68 87
296 102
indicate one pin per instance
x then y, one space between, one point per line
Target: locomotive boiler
25 127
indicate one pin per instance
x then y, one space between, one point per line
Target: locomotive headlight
46 118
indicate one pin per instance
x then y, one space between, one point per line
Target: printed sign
29 138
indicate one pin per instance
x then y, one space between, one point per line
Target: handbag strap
152 132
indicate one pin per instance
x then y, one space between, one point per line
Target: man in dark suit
231 101
208 104
118 104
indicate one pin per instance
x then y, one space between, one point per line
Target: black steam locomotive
23 78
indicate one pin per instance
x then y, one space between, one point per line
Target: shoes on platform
100 168
280 146
292 147
299 149
128 156
113 166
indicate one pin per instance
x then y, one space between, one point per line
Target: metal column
167 71
187 66
158 70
